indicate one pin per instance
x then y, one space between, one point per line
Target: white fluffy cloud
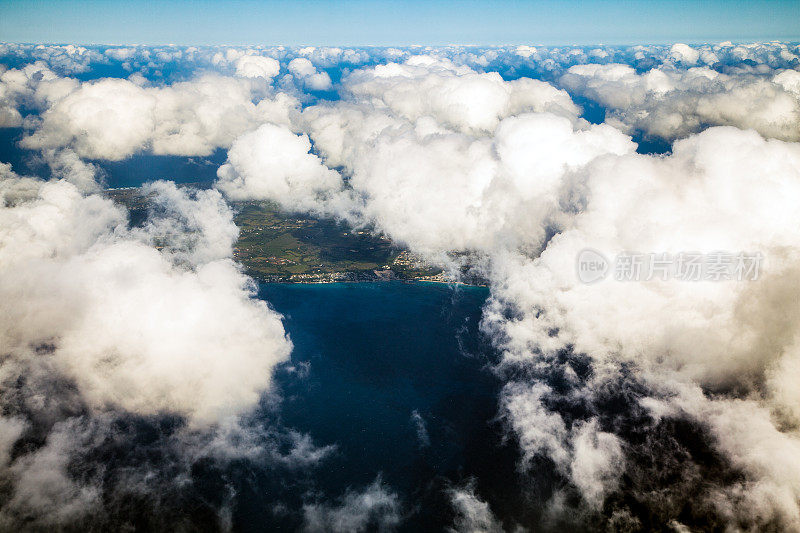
306 72
684 53
675 103
64 59
252 66
715 192
672 205
33 85
466 180
128 325
101 321
457 97
274 163
115 118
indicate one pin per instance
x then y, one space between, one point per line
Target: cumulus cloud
274 163
672 213
65 164
117 308
466 180
684 53
456 96
64 59
672 104
33 85
103 323
723 338
115 118
252 66
307 73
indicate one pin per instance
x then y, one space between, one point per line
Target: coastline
383 276
355 281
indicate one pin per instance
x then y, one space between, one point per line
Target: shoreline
355 281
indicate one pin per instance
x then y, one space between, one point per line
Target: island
279 246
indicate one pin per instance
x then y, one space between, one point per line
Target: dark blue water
142 168
376 354
131 172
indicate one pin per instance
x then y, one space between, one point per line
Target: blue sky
361 22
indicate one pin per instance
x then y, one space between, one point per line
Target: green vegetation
277 246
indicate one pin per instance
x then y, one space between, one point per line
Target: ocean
398 377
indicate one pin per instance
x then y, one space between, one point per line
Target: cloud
722 341
44 493
274 163
33 85
110 332
672 104
114 470
115 118
64 59
251 66
376 508
466 180
473 515
65 164
12 429
456 96
305 71
119 316
684 53
668 198
420 428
